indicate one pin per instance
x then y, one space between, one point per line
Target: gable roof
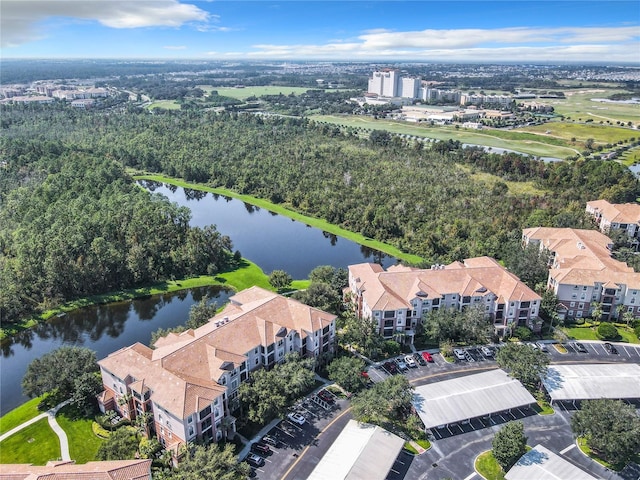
68 470
616 212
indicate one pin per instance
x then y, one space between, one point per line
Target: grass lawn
588 332
35 444
282 210
578 104
83 443
515 188
630 157
524 142
488 467
257 91
19 415
166 104
581 131
543 408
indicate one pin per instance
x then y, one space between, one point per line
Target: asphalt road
453 450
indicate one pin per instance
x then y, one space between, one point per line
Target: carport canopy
360 451
459 399
540 463
593 381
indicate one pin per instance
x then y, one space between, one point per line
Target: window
578 314
584 288
575 287
572 304
389 314
190 419
206 411
525 304
581 305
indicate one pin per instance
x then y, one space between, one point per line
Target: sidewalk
51 414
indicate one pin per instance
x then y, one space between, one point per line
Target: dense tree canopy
347 372
611 428
62 370
211 462
387 400
87 228
523 362
449 324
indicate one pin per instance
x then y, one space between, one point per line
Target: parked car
261 447
255 460
401 365
459 354
543 347
418 358
486 351
580 347
296 417
391 367
411 363
326 397
610 348
427 356
271 440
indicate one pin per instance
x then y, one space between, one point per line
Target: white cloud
20 18
615 44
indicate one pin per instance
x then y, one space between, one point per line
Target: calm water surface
270 240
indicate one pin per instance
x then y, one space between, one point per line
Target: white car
486 351
410 361
459 353
297 418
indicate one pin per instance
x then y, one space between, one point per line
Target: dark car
419 359
391 367
255 460
580 347
261 448
271 440
326 397
610 348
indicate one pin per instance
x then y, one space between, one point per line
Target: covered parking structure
568 384
540 463
360 451
460 400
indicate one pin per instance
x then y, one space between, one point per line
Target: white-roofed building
593 381
361 451
461 399
540 463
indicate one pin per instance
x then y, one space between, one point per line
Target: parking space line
565 450
627 351
471 476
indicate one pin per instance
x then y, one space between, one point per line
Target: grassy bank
19 415
247 275
279 209
83 443
487 466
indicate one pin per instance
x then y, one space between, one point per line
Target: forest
63 188
79 225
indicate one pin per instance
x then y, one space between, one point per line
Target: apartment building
582 272
612 216
189 382
400 298
385 83
68 470
409 87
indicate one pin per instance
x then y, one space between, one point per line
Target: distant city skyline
386 31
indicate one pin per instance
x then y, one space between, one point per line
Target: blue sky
487 31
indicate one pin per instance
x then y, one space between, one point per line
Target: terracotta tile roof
396 288
173 390
617 212
109 470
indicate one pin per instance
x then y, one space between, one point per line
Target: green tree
523 333
268 393
346 372
509 444
85 389
611 428
608 331
387 400
322 296
120 445
280 279
523 363
211 462
597 312
201 312
58 370
529 264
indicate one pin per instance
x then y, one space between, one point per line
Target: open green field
515 188
578 105
630 156
19 415
35 444
246 92
166 104
582 131
518 141
83 443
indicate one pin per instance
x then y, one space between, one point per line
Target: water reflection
103 328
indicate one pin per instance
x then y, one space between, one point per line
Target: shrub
608 331
523 333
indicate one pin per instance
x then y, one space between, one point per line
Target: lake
272 241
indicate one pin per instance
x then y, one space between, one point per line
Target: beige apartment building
401 297
582 272
189 382
612 216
